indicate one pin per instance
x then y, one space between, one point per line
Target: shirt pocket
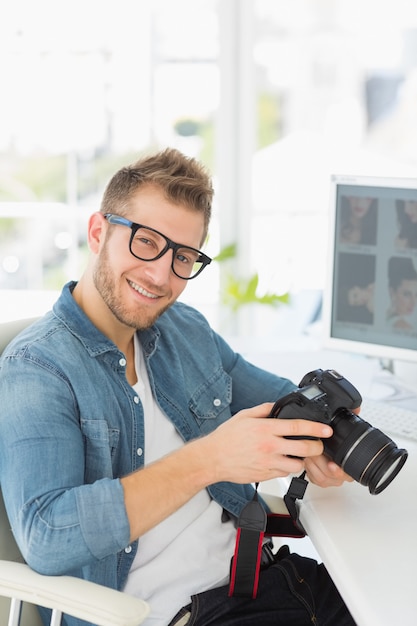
211 401
100 445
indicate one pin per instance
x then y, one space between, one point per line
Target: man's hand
254 450
244 449
325 473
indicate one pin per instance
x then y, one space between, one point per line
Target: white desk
369 544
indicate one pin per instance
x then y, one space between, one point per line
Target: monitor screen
370 299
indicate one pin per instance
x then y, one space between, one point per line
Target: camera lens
364 452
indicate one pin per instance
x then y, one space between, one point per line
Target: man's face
138 292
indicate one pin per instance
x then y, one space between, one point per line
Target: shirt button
122 362
217 402
128 549
139 451
136 400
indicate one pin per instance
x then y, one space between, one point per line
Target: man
130 431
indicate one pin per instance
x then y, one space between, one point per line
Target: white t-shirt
190 551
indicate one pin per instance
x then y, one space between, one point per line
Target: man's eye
144 241
187 257
182 258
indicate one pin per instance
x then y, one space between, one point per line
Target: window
272 96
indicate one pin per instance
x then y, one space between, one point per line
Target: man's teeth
142 290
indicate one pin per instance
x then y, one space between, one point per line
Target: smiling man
131 433
136 272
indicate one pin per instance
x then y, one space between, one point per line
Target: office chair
22 589
63 594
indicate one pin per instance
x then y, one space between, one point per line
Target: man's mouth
142 291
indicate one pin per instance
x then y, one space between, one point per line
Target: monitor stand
406 372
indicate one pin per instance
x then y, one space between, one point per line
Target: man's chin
145 321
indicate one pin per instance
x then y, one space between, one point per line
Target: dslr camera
364 452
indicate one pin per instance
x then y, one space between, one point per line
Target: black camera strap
246 562
253 526
296 491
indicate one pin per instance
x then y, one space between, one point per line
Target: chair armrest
74 596
275 503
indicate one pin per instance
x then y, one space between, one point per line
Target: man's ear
97 228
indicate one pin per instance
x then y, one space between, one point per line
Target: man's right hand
245 450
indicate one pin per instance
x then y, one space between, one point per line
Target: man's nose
160 269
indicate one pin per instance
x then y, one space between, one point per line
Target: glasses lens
147 244
187 262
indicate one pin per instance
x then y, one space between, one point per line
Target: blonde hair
182 179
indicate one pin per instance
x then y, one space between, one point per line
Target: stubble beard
105 284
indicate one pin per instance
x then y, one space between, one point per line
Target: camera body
320 395
364 452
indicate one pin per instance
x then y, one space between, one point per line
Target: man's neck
100 315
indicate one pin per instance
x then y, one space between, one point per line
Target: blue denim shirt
71 426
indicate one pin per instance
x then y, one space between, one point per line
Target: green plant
238 292
242 291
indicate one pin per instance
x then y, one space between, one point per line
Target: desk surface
369 544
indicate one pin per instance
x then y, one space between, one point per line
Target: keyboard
392 420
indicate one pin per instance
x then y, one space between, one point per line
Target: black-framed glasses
148 244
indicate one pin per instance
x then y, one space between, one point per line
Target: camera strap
246 562
253 526
296 491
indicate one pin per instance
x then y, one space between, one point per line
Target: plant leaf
228 252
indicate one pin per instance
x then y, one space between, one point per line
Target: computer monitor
370 298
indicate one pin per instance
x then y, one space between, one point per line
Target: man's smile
141 290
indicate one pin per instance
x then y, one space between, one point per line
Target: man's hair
182 179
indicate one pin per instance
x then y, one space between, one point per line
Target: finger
338 472
321 471
288 427
300 428
320 478
284 466
303 448
260 410
335 471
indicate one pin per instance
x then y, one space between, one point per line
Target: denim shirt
71 426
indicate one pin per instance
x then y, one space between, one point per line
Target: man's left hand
325 473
